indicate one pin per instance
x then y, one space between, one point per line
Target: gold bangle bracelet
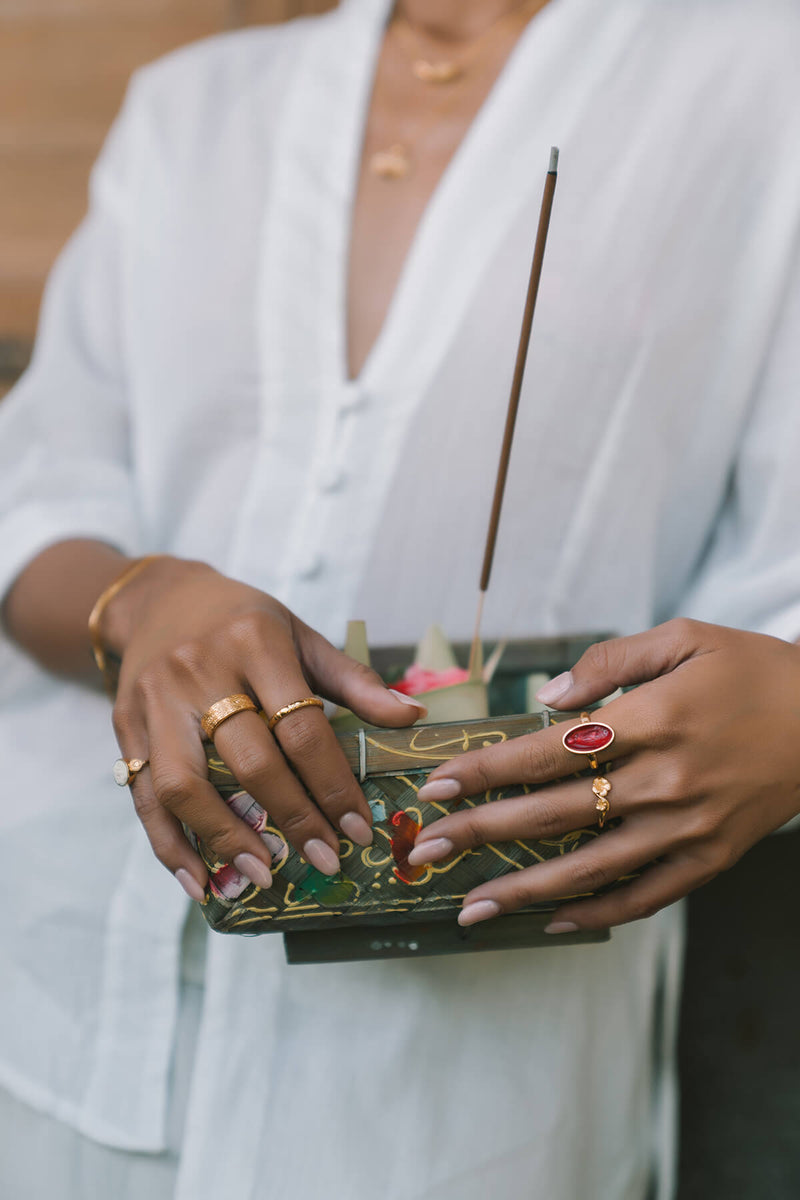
96 615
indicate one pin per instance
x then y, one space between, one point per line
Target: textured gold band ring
229 706
309 702
125 770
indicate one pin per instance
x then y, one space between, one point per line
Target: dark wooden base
524 931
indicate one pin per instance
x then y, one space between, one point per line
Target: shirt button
311 567
352 401
333 479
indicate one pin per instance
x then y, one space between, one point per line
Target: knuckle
302 738
295 825
597 658
640 908
247 629
682 629
543 811
163 848
472 832
701 827
675 783
222 845
587 876
145 805
174 790
713 857
254 766
360 673
336 796
122 716
187 658
478 780
540 759
148 684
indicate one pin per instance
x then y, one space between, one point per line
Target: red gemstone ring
589 738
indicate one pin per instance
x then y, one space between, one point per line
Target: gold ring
589 738
309 702
601 787
125 770
213 717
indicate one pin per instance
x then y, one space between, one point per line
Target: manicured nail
439 789
561 927
354 826
254 869
430 852
552 692
409 700
481 910
320 855
190 885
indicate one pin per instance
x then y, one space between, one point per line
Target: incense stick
513 402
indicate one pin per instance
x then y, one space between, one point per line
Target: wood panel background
63 69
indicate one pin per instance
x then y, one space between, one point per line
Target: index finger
535 757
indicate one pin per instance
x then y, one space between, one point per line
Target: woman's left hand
706 762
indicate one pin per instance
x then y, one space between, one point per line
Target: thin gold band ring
288 709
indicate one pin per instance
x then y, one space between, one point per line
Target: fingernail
354 826
320 855
439 789
481 910
409 700
556 688
190 885
562 927
254 869
430 852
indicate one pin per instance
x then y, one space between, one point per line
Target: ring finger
543 813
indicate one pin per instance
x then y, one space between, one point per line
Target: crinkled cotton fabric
189 395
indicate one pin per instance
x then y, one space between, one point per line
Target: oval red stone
589 738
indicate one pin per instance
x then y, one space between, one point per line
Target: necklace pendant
446 71
394 163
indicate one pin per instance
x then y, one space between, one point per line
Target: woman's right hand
188 637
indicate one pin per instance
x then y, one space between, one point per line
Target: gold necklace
449 70
396 160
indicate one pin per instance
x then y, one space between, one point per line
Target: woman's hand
707 762
188 637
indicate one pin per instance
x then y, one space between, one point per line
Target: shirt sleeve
750 576
65 466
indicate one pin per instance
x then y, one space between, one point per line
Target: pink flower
417 679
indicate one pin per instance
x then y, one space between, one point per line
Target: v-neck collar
317 170
496 174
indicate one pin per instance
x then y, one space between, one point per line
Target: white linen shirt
189 394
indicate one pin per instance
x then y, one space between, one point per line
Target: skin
706 763
188 636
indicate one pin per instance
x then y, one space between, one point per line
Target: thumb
338 677
620 662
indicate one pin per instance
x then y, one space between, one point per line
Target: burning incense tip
551 170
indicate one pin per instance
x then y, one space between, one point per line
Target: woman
278 353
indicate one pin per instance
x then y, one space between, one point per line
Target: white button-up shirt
189 394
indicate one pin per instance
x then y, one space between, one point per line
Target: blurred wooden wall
63 69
